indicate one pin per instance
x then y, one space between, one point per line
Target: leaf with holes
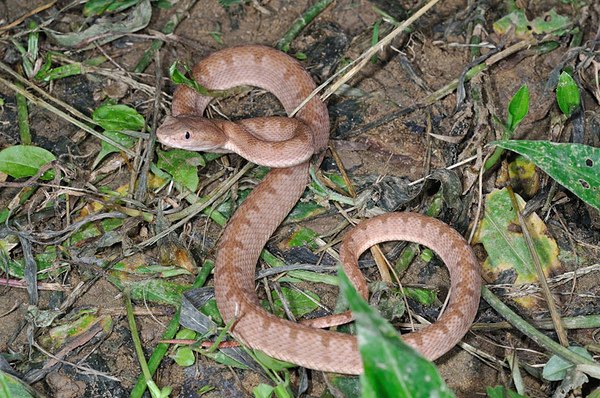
501 235
574 166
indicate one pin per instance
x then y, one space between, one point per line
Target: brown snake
261 213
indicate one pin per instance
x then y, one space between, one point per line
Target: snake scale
286 145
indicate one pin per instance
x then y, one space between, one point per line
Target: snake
287 145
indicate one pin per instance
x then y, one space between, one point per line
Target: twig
363 59
27 15
41 103
168 28
538 337
554 314
307 17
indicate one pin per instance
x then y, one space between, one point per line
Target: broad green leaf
272 363
349 386
574 166
502 392
151 290
221 357
10 386
46 264
93 230
423 296
550 22
182 165
299 303
303 237
210 309
25 161
99 7
518 108
595 393
106 148
556 368
391 367
567 94
180 78
118 117
186 334
501 235
263 391
184 356
304 210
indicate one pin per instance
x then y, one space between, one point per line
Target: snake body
265 208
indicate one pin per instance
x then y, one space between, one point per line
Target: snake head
194 133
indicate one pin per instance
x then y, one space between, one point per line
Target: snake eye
187 135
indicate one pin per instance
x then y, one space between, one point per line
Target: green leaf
25 161
99 7
182 165
518 108
300 303
47 265
550 22
503 239
186 334
574 166
151 290
375 39
217 36
262 391
502 392
423 296
229 3
567 94
274 364
10 386
118 117
391 367
184 356
303 237
105 148
556 368
179 78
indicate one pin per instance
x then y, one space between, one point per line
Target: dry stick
450 87
363 59
574 322
27 15
442 92
26 82
191 211
538 337
554 314
307 17
142 191
169 28
41 103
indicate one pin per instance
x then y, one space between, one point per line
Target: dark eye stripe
187 135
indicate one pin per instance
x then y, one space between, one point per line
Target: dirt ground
378 128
